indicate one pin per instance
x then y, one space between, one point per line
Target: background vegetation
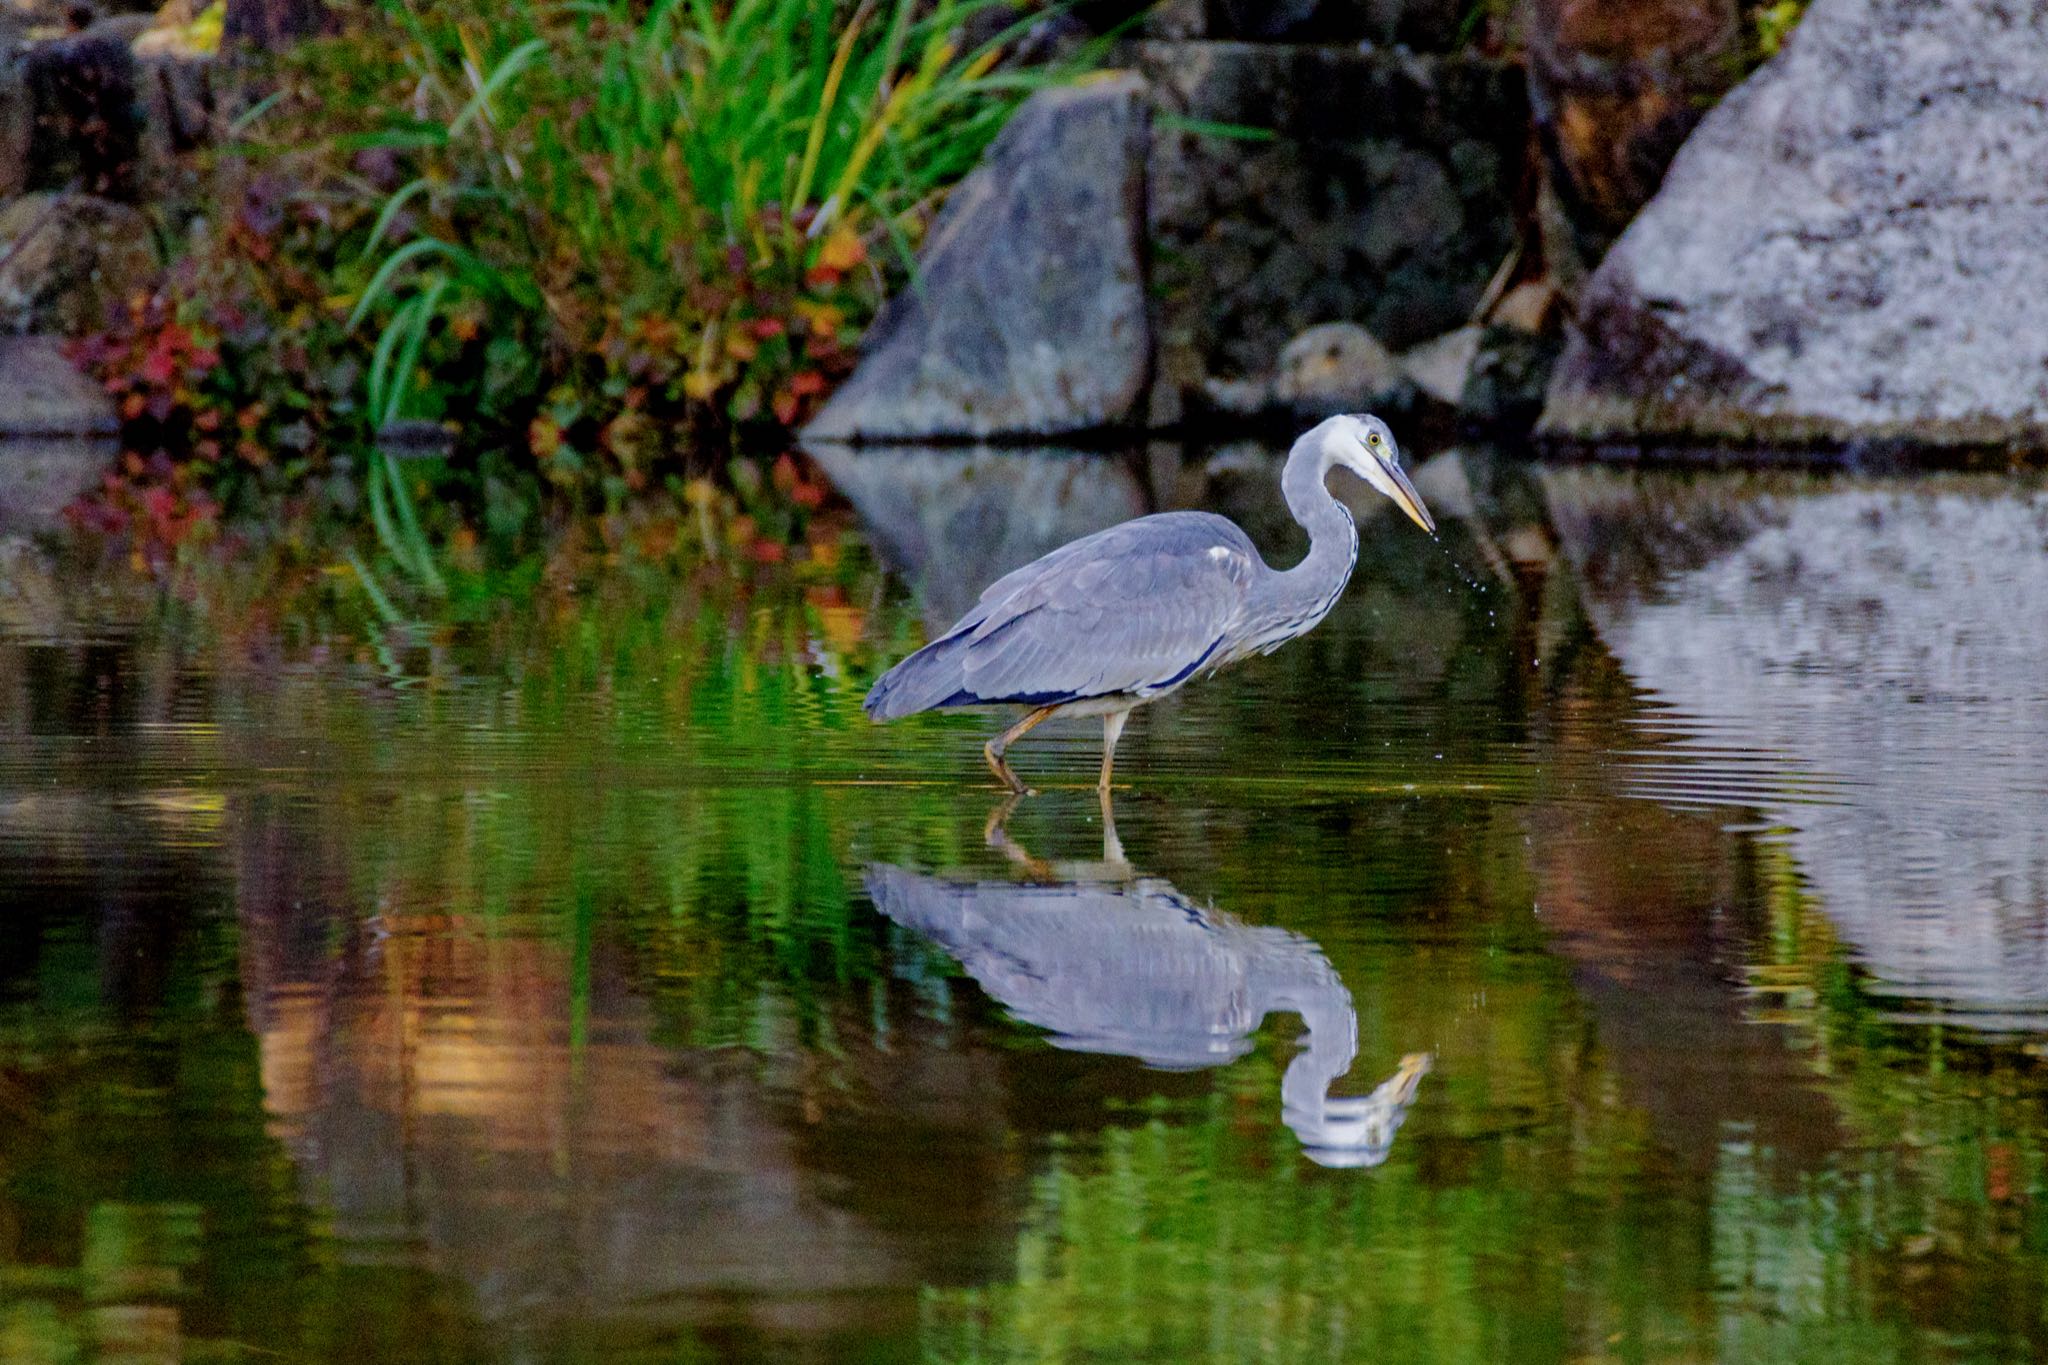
627 244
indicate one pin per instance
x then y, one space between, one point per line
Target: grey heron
1113 620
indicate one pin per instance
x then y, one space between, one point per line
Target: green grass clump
616 215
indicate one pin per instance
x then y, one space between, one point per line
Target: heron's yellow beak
1406 498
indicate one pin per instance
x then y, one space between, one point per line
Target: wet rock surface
40 476
177 85
1441 366
1510 370
1492 374
1336 367
46 395
1330 368
1028 316
1853 245
1425 25
56 434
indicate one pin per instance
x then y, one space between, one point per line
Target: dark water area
1618 933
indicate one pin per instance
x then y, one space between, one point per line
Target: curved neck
1310 588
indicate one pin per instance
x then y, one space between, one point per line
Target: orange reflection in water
455 1100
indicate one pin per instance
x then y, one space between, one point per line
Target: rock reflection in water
1866 662
954 520
1120 963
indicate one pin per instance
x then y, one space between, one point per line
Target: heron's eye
1373 439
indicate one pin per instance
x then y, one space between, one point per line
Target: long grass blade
393 206
506 71
380 383
418 319
814 143
248 118
380 511
380 283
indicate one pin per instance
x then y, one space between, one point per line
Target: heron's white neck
1293 599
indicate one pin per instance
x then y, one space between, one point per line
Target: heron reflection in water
1108 960
1111 621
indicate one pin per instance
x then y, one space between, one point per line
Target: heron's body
1122 617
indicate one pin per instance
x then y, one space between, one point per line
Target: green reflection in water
528 1004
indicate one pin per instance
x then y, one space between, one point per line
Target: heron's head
1362 444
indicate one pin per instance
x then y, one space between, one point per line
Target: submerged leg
1112 730
992 832
1112 847
993 750
998 838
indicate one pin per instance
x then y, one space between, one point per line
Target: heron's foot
994 749
1005 774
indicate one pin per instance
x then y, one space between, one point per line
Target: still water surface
1617 936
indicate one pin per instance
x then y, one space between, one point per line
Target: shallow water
1602 939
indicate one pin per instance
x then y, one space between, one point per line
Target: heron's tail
930 678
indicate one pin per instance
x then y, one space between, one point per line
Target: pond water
1616 934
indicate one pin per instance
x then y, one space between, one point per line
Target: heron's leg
992 832
994 749
998 838
1112 731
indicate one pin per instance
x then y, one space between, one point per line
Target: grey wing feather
1133 609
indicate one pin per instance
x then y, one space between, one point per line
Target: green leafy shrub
233 380
630 228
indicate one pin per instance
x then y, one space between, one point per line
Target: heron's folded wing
1135 608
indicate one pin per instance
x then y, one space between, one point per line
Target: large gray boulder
1028 312
43 394
1854 244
